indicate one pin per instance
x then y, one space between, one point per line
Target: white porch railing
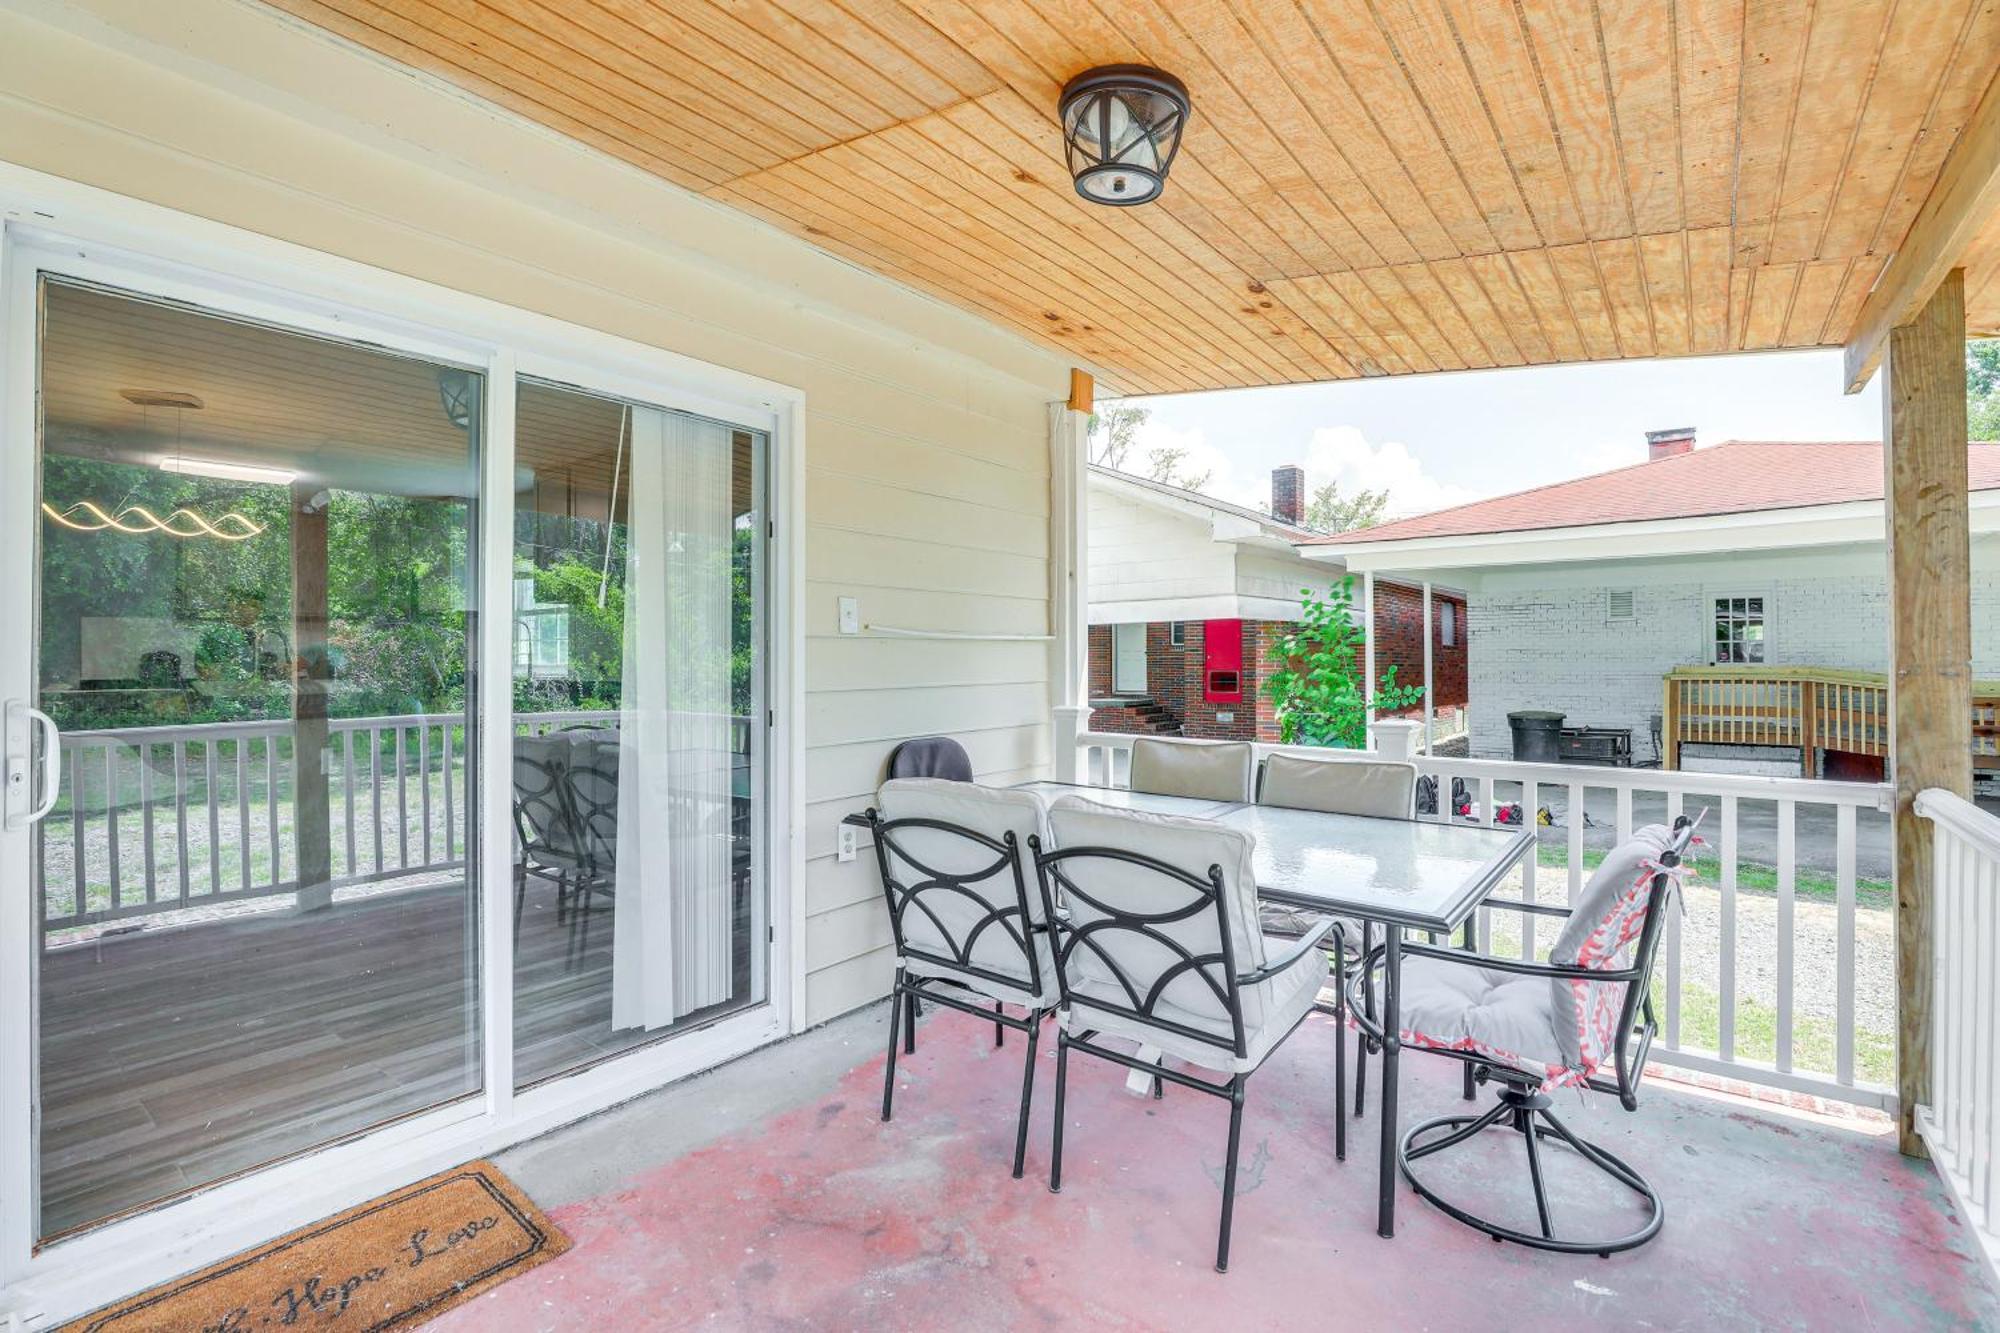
1739 1008
161 818
1960 1124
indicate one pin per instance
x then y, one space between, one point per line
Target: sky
1443 439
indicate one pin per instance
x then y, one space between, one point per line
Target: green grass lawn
1807 884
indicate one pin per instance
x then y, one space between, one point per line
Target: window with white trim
1177 633
1737 630
1448 624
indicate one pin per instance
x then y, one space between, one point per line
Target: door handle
19 716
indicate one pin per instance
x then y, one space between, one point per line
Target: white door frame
56 226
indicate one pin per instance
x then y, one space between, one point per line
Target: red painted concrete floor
825 1217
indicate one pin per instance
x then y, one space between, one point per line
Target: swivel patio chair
1537 1027
969 931
1204 770
1155 922
1375 788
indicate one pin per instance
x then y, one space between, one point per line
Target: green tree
1164 465
1982 390
1330 511
1109 435
1318 687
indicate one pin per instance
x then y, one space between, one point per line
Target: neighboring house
1188 595
1745 555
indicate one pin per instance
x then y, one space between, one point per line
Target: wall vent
1618 604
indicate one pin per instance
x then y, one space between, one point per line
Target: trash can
1537 736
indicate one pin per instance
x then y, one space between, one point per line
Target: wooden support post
1930 641
312 828
1670 726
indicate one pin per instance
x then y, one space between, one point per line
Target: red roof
1739 476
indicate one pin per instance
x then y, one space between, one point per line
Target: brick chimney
1288 493
1666 443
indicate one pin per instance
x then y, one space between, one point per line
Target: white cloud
1343 454
1333 453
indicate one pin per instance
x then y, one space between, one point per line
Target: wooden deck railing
1809 709
169 817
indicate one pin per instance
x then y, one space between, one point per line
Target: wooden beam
1965 198
312 813
1930 640
1082 391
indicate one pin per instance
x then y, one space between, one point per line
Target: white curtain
671 946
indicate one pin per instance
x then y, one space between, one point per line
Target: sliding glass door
256 595
638 747
387 742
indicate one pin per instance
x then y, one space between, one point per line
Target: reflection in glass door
638 761
255 633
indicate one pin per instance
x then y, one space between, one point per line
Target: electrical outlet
850 616
849 841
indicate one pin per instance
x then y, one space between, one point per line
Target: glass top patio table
1405 872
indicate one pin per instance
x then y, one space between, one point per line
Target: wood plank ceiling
1367 186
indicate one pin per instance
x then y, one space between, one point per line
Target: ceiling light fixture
209 467
1122 127
137 521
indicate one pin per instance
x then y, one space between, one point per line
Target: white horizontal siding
927 457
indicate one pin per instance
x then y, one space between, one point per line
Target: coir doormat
388 1264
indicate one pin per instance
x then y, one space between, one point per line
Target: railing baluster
402 806
450 822
375 788
111 822
271 806
1671 946
347 797
183 860
1725 1023
1843 968
424 778
1576 818
1531 804
77 851
212 792
1787 886
146 816
243 839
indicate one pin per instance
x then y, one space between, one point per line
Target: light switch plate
850 616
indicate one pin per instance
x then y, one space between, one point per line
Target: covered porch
852 237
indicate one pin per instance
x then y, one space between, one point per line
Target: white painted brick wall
1553 648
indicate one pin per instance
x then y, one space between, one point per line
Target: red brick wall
1173 674
1399 642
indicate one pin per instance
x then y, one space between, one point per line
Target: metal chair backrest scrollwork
1161 940
957 888
1130 953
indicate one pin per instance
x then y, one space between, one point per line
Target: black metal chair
1168 957
931 757
544 824
1537 1027
968 930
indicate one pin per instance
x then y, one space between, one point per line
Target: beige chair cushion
1381 788
1270 1008
993 812
1204 770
